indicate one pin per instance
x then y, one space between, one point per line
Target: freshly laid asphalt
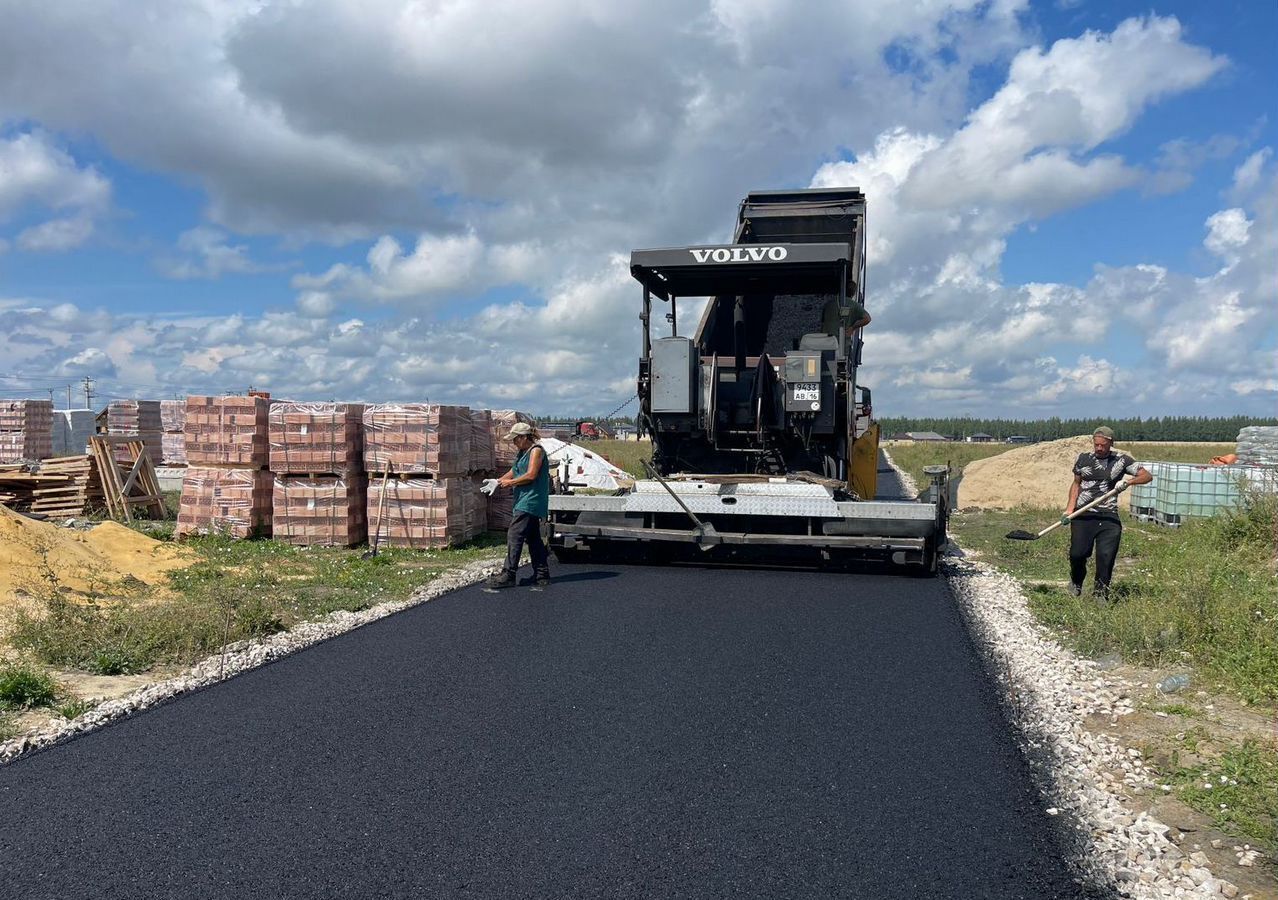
633 732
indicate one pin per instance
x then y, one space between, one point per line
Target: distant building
980 438
923 436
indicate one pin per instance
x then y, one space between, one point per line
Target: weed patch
1239 791
73 709
25 687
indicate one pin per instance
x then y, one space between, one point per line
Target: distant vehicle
591 431
1019 439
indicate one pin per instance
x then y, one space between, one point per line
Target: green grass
236 590
73 709
1243 793
1202 594
24 686
912 457
624 454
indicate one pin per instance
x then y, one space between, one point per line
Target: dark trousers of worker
1087 532
526 528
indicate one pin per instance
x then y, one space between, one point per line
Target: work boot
542 581
1100 593
1075 590
499 581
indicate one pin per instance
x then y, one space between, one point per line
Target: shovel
381 514
1019 535
704 531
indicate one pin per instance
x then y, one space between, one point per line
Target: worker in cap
529 478
1099 529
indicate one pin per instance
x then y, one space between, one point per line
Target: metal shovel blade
706 536
1019 535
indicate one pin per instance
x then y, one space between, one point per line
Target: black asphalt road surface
633 732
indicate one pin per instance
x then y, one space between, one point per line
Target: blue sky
1072 205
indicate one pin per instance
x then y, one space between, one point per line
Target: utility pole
88 392
68 396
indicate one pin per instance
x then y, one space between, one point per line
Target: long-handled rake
1019 535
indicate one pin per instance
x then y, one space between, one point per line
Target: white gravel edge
1049 693
240 657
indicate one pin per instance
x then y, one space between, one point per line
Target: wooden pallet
139 487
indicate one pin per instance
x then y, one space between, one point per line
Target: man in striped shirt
1096 474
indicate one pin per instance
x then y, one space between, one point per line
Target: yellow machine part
863 474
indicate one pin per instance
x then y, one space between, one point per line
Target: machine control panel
804 373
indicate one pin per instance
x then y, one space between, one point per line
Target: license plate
806 392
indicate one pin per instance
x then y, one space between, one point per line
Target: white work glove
489 487
1123 484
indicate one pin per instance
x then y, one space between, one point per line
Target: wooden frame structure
139 488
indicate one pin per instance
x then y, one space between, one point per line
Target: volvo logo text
738 254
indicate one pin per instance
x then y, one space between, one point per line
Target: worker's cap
519 429
1104 431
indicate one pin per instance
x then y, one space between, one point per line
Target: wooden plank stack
421 513
417 439
173 440
60 488
316 453
226 488
320 510
230 430
234 502
140 419
26 430
316 438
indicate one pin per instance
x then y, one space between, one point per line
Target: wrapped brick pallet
316 438
134 417
229 430
236 502
173 449
500 510
482 456
421 513
417 439
173 440
173 416
503 450
26 430
320 510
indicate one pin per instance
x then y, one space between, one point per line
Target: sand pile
1034 475
99 559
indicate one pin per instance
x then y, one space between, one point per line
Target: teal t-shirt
534 498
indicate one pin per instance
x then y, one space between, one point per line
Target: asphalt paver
632 732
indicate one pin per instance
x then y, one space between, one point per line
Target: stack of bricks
140 419
227 431
226 488
26 430
500 507
427 450
421 513
173 440
483 458
316 454
231 501
417 438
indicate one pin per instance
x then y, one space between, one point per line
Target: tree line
1157 428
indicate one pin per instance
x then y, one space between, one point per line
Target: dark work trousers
1086 532
526 527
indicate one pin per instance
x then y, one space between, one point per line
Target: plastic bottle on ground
1173 683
